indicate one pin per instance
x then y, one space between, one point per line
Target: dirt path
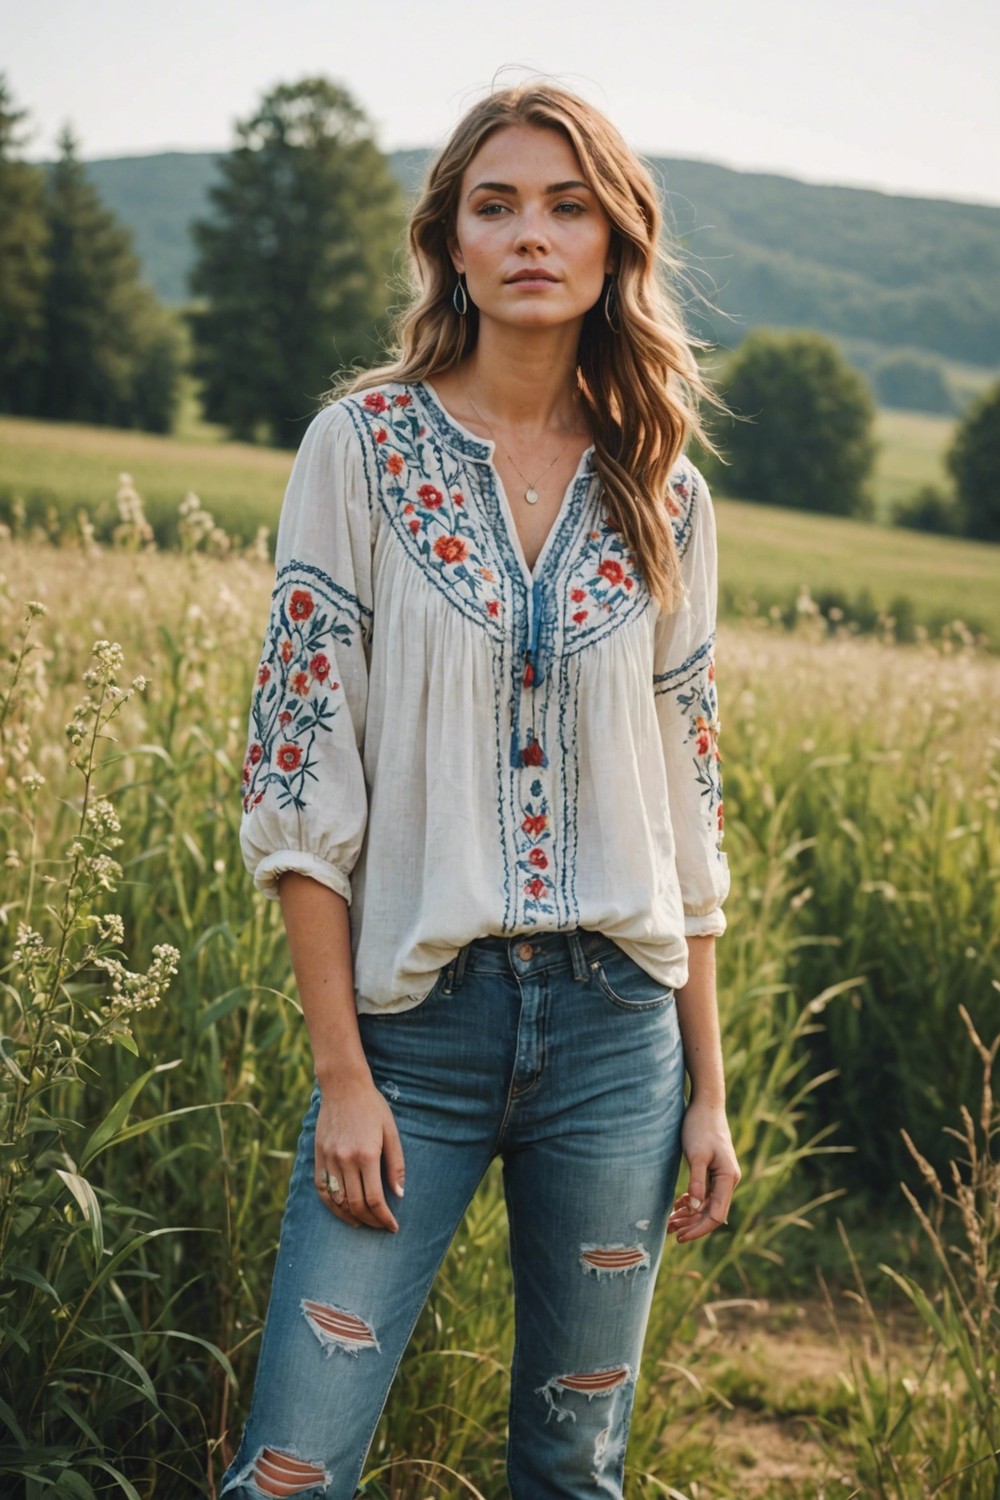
782 1372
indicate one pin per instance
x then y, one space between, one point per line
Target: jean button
525 951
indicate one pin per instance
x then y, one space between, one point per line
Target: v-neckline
487 446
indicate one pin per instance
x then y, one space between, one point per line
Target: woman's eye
576 208
486 210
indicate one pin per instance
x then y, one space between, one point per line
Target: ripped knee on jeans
277 1473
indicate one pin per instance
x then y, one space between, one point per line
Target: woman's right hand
358 1145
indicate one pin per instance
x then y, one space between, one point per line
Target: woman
483 782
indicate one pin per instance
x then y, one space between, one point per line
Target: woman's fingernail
695 1202
398 1190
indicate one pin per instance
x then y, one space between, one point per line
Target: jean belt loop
577 954
458 966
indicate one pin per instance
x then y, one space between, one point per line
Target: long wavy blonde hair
640 380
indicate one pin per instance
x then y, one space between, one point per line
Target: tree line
297 269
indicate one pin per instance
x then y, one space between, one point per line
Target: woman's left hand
713 1173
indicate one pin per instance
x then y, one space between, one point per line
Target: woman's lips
536 278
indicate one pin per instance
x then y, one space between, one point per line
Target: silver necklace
531 490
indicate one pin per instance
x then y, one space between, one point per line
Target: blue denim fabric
561 1054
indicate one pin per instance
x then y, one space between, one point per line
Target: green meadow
840 1339
767 555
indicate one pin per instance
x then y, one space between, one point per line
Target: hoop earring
459 298
611 305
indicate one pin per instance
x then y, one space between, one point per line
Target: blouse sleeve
687 710
305 804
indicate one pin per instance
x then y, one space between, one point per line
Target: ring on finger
333 1188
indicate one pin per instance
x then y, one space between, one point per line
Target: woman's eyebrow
505 187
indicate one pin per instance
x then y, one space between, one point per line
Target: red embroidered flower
408 509
284 717
301 605
288 757
628 583
532 754
254 754
493 607
246 775
380 435
259 798
672 506
394 463
578 595
320 667
286 651
529 675
580 616
704 734
534 824
375 401
264 675
300 684
720 817
711 671
486 573
535 887
539 859
415 527
458 498
401 400
431 497
611 570
451 549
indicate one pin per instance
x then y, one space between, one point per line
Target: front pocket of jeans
626 984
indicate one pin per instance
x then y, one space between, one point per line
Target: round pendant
531 496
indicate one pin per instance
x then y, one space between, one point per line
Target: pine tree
294 265
110 354
23 262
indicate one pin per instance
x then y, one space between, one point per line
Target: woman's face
530 236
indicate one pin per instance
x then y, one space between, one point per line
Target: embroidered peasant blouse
460 745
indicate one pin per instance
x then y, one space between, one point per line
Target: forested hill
876 269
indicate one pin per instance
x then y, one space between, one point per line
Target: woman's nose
531 233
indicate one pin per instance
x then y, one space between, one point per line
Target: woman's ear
457 258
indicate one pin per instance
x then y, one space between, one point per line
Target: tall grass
197 1124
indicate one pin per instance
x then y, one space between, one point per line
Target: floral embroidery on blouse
700 704
684 487
297 696
535 854
693 682
604 581
431 517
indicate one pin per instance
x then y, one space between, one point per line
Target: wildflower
111 929
104 822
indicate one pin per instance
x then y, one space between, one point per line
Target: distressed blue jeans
560 1054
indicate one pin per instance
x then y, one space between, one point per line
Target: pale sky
899 95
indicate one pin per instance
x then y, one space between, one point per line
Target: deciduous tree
807 440
973 461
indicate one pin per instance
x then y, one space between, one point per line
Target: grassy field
137 1232
767 554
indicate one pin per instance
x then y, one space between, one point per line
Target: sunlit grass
834 752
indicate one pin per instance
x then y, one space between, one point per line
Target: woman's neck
525 383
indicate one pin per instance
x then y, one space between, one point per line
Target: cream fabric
459 745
